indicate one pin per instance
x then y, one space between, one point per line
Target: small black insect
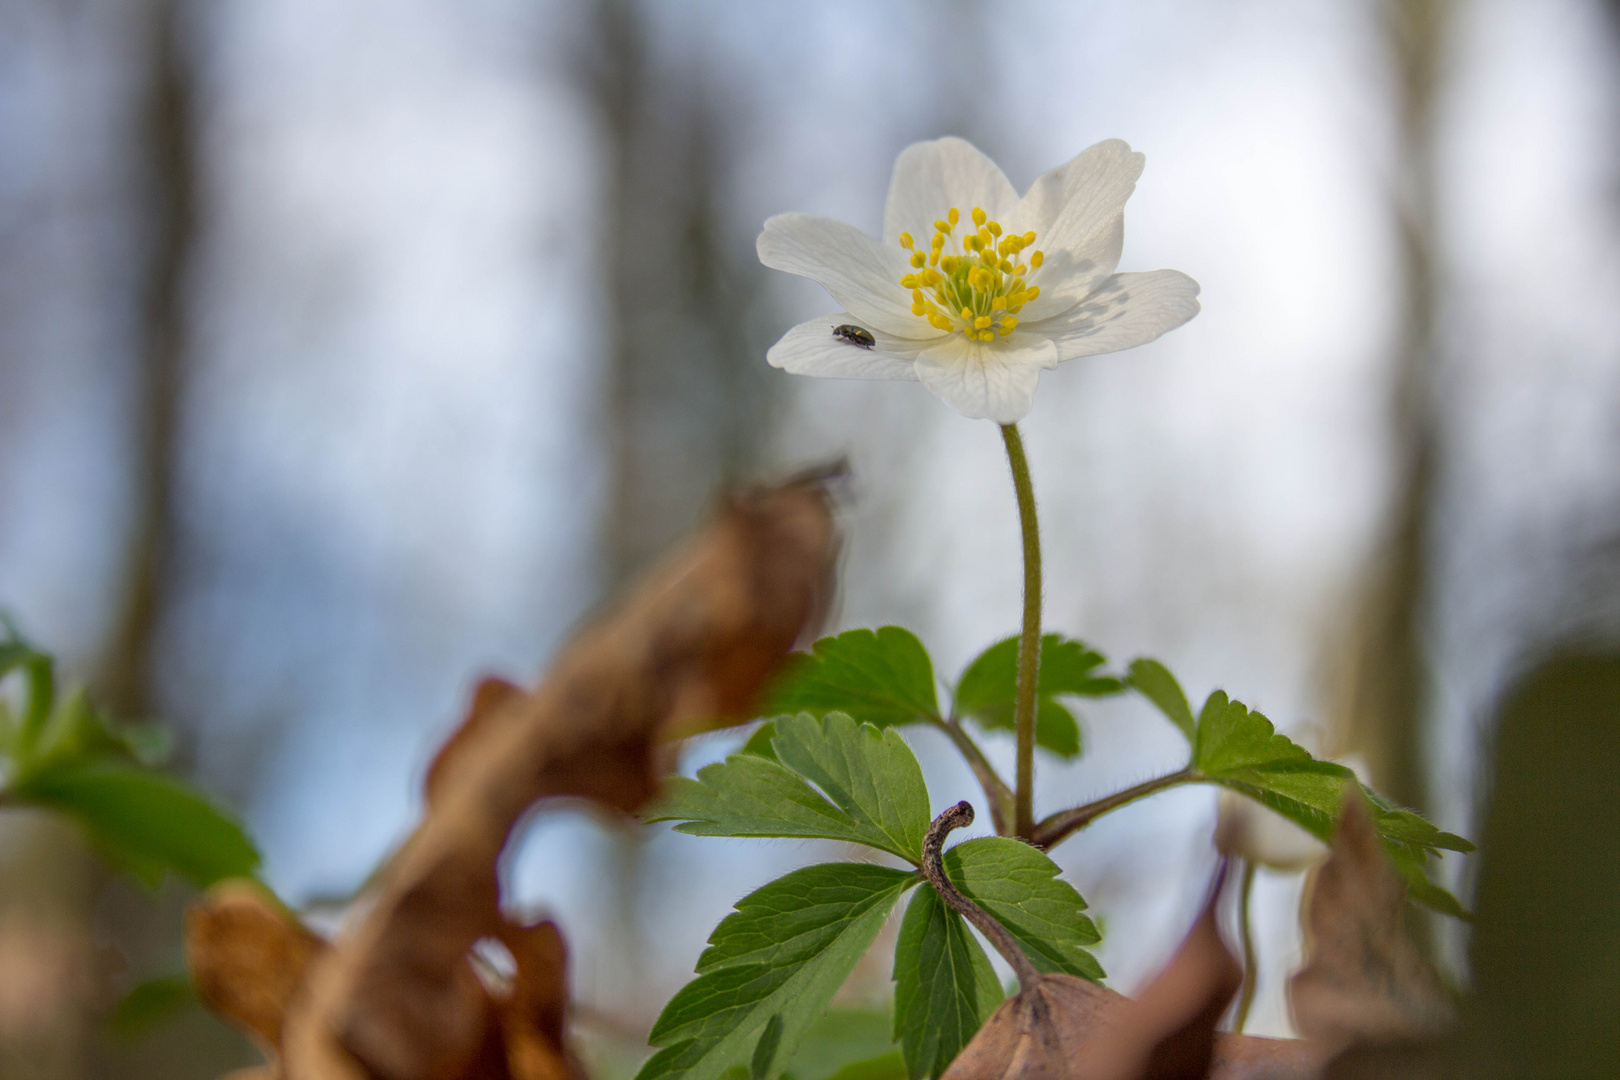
855 335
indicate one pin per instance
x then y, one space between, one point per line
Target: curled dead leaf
1064 1028
248 956
1365 981
690 646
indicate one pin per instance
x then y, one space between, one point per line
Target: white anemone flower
977 307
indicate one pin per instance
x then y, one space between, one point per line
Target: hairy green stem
1029 641
1058 826
996 791
1250 964
933 868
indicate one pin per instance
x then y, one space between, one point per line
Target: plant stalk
1251 971
996 791
1029 641
933 868
1057 827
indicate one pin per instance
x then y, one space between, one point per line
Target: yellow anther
967 313
916 296
985 239
1034 291
949 264
933 257
1004 329
918 259
981 322
978 215
955 215
942 226
1029 238
931 277
1006 266
994 227
1020 271
939 240
998 303
1007 324
918 308
905 240
1036 259
939 322
987 335
909 281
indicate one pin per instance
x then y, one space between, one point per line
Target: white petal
1077 212
811 349
1129 310
862 275
931 177
987 380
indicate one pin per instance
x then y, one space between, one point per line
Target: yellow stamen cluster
978 286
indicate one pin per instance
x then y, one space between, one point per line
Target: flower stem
1250 963
933 868
1029 642
996 791
1058 826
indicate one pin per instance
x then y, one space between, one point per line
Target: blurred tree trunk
1389 681
126 684
688 396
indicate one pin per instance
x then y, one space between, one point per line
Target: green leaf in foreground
1240 749
880 677
989 688
945 988
874 789
1153 681
771 968
1019 885
145 823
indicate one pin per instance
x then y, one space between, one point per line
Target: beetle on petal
999 287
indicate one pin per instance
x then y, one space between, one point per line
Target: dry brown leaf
1365 981
692 645
248 956
1064 1028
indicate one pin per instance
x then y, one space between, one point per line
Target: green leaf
1019 886
945 988
1239 749
150 1005
890 1066
872 779
145 823
759 743
882 678
870 775
988 690
771 968
1153 681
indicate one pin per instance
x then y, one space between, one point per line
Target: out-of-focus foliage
60 753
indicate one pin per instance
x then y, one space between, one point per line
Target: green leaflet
145 823
771 968
989 688
150 1005
871 775
880 677
1153 681
1241 750
1019 886
945 988
874 784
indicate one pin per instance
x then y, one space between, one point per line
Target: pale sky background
394 460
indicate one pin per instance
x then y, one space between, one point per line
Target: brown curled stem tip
933 868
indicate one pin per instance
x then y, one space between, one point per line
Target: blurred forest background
352 350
